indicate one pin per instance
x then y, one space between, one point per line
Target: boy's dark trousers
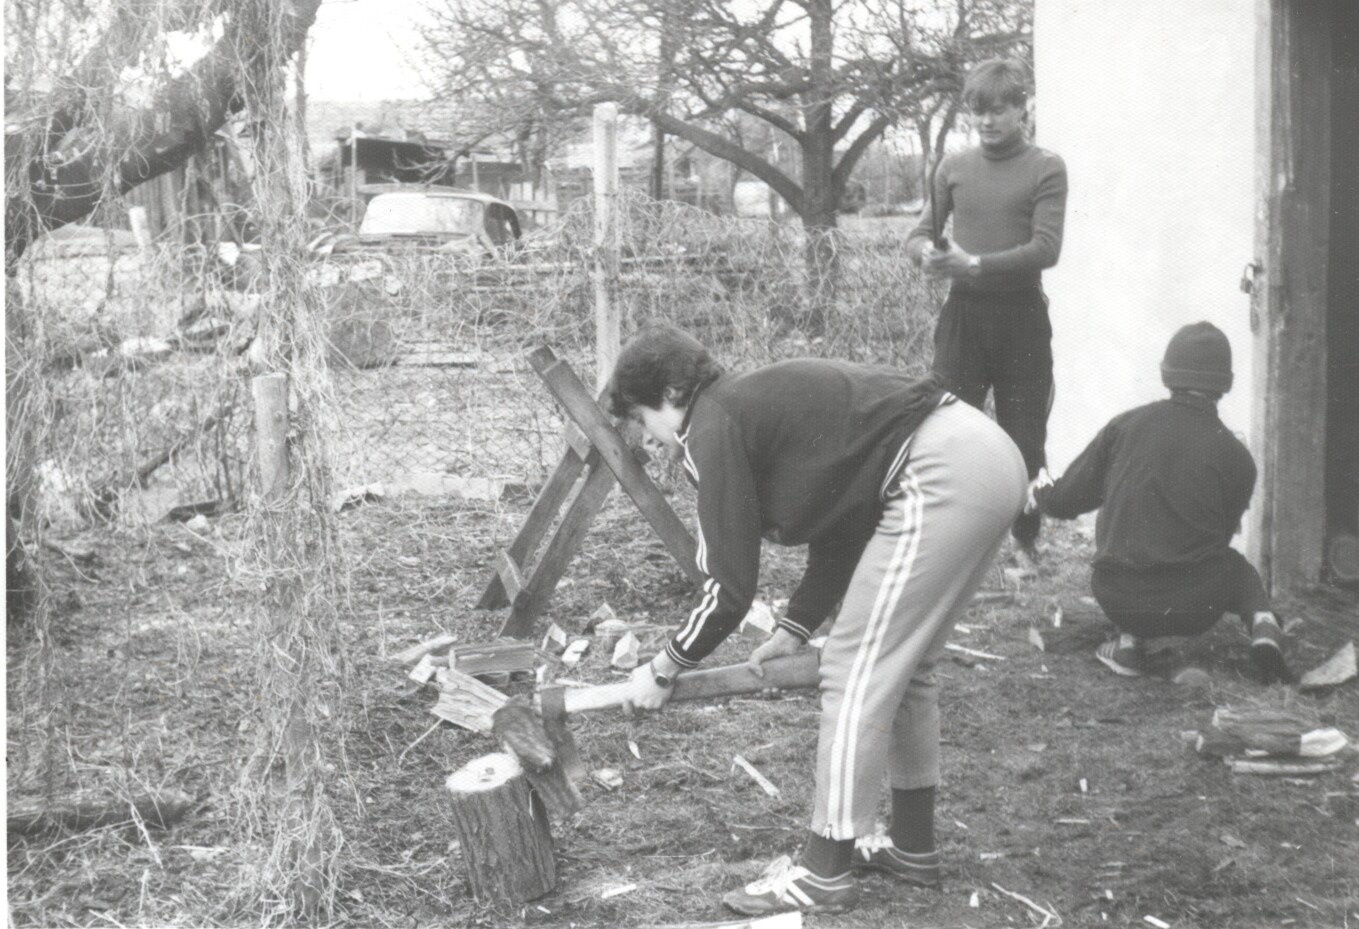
1179 600
1001 342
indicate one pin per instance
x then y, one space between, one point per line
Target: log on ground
81 811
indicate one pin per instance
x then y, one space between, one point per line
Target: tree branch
49 186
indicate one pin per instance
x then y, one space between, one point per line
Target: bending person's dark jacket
799 452
1170 482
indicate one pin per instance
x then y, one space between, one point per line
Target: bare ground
1064 784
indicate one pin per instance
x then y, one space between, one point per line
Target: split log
1224 744
493 657
504 831
81 811
466 701
1261 724
1282 767
1317 743
790 920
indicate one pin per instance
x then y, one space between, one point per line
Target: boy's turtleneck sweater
1008 207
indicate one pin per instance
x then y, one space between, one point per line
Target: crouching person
1171 484
902 495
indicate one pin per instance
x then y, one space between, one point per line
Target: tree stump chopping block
503 827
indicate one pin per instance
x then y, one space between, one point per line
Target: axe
535 730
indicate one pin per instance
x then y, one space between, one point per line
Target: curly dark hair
660 361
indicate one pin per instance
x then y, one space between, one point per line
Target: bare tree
829 77
90 138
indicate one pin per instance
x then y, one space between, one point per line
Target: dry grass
152 655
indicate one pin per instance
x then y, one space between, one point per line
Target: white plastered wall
1152 105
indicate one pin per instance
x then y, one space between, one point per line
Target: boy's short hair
996 82
661 360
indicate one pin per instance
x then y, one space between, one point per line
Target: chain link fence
145 352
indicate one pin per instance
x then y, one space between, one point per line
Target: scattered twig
400 759
1048 915
973 652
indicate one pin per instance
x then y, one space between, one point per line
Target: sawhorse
596 450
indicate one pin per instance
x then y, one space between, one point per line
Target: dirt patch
1063 784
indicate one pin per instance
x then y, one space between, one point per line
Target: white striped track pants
961 488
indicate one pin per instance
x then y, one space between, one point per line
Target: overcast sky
360 49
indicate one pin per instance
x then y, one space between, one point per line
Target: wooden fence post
606 264
271 432
296 737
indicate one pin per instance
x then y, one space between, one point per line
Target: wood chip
574 652
1337 669
607 778
1279 767
617 891
765 784
554 642
625 652
953 647
1159 924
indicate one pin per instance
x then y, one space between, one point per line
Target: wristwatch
662 680
974 266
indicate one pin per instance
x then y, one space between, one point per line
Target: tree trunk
504 831
820 189
59 168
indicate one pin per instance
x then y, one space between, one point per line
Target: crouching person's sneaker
1266 651
879 853
786 887
1123 659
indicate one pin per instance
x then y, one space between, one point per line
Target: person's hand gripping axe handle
535 731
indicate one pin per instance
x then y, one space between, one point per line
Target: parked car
438 219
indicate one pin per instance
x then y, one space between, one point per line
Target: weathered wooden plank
544 575
544 510
583 409
1293 315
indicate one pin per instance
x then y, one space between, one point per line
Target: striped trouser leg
959 492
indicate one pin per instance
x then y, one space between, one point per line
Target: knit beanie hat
1199 357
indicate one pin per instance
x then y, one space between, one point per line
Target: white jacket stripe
844 746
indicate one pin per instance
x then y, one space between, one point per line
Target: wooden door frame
1288 306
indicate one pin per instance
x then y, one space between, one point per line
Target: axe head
539 742
552 701
520 730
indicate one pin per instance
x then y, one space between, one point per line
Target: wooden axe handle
789 672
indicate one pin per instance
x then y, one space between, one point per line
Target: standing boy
1007 198
1171 484
903 497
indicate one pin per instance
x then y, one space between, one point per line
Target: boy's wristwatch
974 266
662 680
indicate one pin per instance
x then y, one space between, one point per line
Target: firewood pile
1271 742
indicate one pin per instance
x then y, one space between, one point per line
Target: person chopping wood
903 496
1171 484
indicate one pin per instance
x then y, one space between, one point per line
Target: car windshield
418 214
